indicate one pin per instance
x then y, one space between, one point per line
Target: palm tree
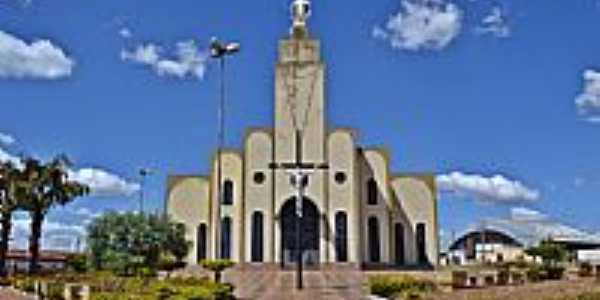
47 185
9 176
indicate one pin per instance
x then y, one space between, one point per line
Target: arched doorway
310 230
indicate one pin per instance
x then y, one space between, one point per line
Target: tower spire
301 11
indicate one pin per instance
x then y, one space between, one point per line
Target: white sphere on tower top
301 11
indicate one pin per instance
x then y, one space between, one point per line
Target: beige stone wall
188 203
299 91
343 196
374 164
232 169
259 196
416 198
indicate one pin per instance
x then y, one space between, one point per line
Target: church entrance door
310 233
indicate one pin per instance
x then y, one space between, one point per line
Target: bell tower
299 92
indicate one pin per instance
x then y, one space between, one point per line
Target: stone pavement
8 294
277 284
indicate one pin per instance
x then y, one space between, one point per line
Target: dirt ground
554 290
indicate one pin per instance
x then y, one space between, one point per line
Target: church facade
355 210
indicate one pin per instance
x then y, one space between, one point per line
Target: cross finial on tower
301 11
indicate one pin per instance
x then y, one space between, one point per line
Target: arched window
226 238
228 192
374 243
257 236
399 237
201 243
421 244
341 236
372 192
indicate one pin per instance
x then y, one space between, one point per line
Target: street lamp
220 50
144 172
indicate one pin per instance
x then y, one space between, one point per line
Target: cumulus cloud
532 226
6 139
588 102
186 61
57 234
496 188
422 24
37 60
103 183
7 157
495 23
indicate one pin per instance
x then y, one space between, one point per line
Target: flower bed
106 286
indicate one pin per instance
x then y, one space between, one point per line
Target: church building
355 211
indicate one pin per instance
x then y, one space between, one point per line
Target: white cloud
6 139
38 60
56 235
588 102
533 226
495 188
103 183
495 23
526 214
186 61
7 157
422 24
125 33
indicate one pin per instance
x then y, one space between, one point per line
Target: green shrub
55 291
589 296
5 281
26 285
77 263
554 272
170 289
389 286
535 273
503 276
585 269
460 279
217 266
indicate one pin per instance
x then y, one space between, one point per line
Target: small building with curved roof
488 245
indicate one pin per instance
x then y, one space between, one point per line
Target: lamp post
144 172
220 50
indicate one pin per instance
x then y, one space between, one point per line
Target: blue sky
500 99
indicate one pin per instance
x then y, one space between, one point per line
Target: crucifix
299 172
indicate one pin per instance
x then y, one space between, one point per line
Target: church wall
416 196
259 195
188 203
374 164
232 169
342 194
299 88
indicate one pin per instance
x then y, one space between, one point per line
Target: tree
217 266
176 243
125 242
9 179
550 252
45 186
